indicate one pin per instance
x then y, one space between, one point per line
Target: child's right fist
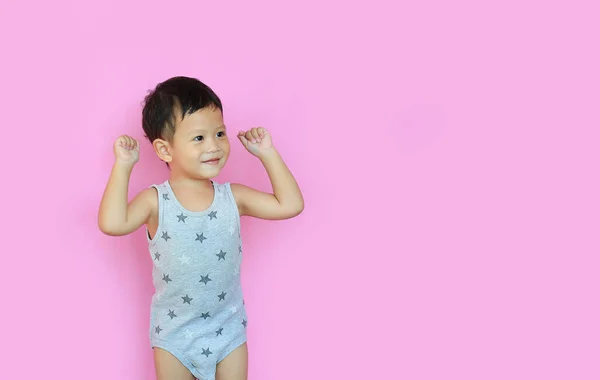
127 150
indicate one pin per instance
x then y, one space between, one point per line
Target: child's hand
256 140
127 150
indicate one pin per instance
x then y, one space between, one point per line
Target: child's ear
163 150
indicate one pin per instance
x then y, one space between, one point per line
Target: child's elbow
108 228
297 210
300 208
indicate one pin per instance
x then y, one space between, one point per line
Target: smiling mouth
213 161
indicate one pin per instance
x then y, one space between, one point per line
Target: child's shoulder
237 189
225 185
149 195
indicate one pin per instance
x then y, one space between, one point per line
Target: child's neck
182 180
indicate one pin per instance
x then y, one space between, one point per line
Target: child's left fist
256 140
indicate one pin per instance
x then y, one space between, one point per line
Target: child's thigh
235 365
168 367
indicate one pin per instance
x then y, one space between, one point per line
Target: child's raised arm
286 201
116 217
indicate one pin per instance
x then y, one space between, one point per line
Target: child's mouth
214 161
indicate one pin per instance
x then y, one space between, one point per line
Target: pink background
448 154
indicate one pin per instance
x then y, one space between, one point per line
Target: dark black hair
177 96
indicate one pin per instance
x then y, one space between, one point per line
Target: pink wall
448 153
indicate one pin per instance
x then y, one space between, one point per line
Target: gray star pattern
205 279
221 255
200 237
206 352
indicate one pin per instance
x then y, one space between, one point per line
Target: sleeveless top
196 270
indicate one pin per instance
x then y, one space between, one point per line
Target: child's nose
211 144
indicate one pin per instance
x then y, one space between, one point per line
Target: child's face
200 145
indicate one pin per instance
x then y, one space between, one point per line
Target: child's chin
209 171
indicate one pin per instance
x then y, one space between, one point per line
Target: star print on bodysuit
197 312
205 279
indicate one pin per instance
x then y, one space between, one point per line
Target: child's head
183 119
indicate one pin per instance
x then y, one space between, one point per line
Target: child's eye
220 134
198 138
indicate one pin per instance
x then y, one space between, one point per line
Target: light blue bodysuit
197 311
